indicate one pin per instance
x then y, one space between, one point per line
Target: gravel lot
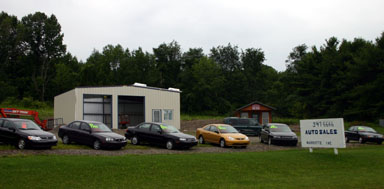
186 126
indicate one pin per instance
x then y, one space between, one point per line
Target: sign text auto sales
322 133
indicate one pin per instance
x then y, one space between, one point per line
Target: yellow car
222 134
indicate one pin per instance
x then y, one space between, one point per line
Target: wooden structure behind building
257 110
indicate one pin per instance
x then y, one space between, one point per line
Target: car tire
361 140
346 139
21 144
269 141
222 143
201 139
379 142
65 139
261 140
96 145
169 145
135 140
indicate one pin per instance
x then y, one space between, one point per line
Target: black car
363 134
278 133
160 134
25 133
247 126
92 133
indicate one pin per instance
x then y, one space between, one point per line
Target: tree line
341 78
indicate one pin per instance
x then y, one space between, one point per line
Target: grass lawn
352 168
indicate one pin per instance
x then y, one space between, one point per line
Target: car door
143 131
265 133
1 131
205 133
156 135
84 134
9 132
355 133
72 131
214 134
349 133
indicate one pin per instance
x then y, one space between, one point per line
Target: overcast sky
275 26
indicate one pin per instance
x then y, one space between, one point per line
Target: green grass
352 168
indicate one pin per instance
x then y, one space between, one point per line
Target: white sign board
322 133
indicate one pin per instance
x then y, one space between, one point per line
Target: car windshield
99 127
244 122
280 128
227 129
169 129
365 129
26 125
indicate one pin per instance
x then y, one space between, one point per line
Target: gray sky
275 26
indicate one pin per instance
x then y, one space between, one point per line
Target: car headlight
124 139
109 139
231 138
183 139
246 138
34 138
54 137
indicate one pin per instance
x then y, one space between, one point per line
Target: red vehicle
16 113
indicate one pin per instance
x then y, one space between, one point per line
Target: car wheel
346 139
21 144
66 140
269 141
261 140
169 145
379 142
96 145
135 140
361 140
222 143
201 139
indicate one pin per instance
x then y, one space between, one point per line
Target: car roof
219 124
269 124
15 119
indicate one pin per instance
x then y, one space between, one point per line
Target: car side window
155 128
75 125
7 124
214 129
207 128
351 129
84 127
1 122
144 126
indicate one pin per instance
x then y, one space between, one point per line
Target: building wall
154 99
65 106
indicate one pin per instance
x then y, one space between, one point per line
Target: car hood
108 135
180 135
234 135
36 133
283 134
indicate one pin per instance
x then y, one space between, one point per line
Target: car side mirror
293 130
160 132
217 132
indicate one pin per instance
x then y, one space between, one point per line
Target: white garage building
120 106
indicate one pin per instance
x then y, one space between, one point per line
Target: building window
156 116
168 114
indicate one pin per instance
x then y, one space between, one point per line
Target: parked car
24 133
92 133
222 134
247 126
278 133
160 134
363 134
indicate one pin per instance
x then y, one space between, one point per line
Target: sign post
322 133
